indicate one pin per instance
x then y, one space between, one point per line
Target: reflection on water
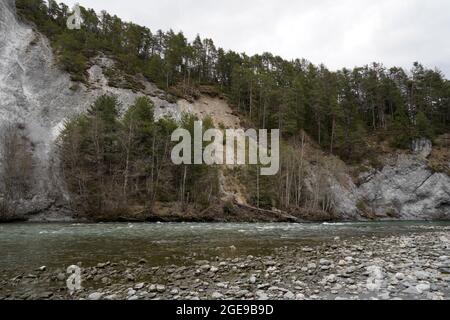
25 246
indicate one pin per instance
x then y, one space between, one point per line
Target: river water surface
27 246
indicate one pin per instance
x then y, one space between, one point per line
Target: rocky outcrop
407 189
37 94
422 147
404 188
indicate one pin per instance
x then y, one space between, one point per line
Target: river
25 247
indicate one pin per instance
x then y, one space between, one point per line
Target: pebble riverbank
413 266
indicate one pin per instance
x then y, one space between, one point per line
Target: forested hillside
113 166
339 109
116 165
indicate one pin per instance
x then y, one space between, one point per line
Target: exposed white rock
95 296
423 287
34 92
422 147
375 280
409 189
216 295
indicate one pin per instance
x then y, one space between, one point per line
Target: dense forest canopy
338 109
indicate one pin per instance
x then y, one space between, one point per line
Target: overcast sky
338 33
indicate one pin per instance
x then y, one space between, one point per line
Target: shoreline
408 266
85 221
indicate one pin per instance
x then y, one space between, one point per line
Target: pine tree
423 128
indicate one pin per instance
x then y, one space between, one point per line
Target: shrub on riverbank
16 169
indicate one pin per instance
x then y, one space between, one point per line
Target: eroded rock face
36 93
422 147
406 188
346 198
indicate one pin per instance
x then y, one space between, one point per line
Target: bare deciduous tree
16 168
